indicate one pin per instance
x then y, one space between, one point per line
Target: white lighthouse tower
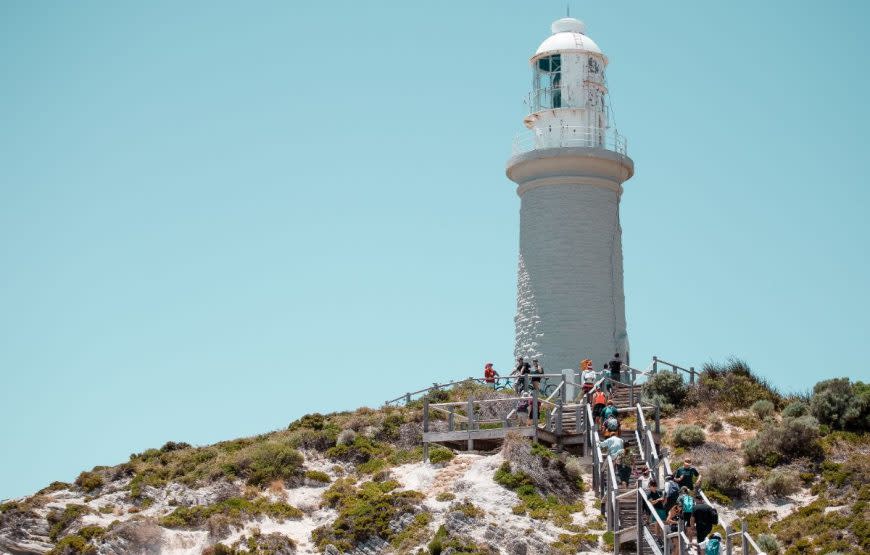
569 167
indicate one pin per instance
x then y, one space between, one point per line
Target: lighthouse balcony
558 136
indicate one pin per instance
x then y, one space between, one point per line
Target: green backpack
712 547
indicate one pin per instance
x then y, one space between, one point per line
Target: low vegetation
235 510
365 511
688 435
60 520
780 442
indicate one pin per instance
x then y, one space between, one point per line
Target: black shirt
688 476
703 515
615 366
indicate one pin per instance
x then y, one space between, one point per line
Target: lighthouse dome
568 36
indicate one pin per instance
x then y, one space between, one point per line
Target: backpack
611 424
712 547
671 490
714 516
688 504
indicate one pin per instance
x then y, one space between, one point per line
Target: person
705 518
537 369
686 502
524 409
644 479
608 382
614 445
687 475
599 401
672 521
623 472
521 370
587 375
610 427
615 367
610 410
657 499
671 491
712 545
489 374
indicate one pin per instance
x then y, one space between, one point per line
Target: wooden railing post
470 412
692 375
534 413
563 393
681 527
658 418
655 367
728 546
407 398
639 512
577 415
425 429
744 542
559 407
451 418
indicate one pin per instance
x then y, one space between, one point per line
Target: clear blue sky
218 216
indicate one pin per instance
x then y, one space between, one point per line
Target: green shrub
59 520
445 496
314 421
361 451
574 543
89 481
716 425
541 451
795 409
763 408
318 476
266 463
688 435
54 486
236 509
666 387
727 477
784 441
73 545
512 481
842 405
440 454
364 512
768 544
781 483
732 385
444 541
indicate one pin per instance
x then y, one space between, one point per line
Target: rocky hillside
796 469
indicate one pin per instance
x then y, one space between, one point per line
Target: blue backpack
712 547
688 504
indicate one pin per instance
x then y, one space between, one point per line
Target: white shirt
589 376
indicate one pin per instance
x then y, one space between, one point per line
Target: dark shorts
596 410
587 387
687 517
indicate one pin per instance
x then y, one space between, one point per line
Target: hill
795 469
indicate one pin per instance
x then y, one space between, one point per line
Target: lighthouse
569 167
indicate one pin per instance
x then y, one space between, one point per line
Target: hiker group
528 377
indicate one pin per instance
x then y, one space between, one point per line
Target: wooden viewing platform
482 424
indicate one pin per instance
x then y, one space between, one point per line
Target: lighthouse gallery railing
570 136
